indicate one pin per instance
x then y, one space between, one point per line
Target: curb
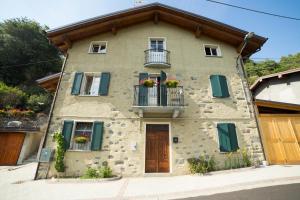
79 180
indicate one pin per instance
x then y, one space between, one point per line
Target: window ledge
74 150
214 56
96 53
82 95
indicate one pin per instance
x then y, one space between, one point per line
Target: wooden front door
281 138
10 147
157 148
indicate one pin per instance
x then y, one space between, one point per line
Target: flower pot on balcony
148 83
172 83
81 140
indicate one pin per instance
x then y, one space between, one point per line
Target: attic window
98 47
211 50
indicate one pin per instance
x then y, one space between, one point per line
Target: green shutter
97 136
163 89
224 140
233 137
104 83
67 133
219 86
227 137
143 90
77 83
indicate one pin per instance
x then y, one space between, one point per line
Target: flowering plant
171 82
147 82
81 139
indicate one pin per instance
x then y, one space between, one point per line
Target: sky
283 34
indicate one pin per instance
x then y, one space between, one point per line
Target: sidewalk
148 187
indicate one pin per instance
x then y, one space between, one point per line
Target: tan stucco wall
196 127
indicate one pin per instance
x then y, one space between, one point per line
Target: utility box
46 155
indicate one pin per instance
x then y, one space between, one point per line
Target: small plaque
46 155
175 140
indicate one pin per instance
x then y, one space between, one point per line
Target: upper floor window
98 47
157 44
212 50
90 84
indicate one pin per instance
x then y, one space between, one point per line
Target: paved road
281 192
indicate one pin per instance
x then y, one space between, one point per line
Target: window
227 137
90 84
98 47
219 86
212 50
157 45
82 136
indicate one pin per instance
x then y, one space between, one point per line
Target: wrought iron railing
154 56
158 96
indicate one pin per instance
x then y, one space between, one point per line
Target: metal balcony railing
157 57
158 96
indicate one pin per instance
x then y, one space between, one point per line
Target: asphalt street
281 192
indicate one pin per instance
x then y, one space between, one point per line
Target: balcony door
157 50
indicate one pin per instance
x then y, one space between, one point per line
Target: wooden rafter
198 31
156 17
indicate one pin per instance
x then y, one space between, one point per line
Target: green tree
257 69
24 41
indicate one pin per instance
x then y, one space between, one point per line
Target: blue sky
283 34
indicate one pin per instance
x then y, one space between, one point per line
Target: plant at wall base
105 172
246 157
202 165
101 172
60 151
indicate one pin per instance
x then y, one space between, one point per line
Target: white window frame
90 51
217 47
73 133
83 83
157 38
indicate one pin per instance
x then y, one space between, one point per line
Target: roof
275 75
49 82
64 36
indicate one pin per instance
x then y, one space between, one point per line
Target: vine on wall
60 151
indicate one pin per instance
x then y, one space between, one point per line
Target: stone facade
195 127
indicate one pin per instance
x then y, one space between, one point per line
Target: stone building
119 102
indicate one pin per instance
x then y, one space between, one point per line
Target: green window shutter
233 137
219 86
104 83
143 90
224 140
163 89
77 83
97 136
227 137
67 132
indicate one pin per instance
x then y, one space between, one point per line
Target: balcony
157 58
158 101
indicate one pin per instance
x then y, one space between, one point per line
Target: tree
257 69
25 52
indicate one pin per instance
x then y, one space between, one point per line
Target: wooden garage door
10 147
281 138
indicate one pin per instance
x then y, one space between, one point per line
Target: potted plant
147 82
171 83
81 139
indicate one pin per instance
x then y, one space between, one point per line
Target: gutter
44 139
249 97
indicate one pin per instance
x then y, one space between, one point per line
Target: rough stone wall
195 128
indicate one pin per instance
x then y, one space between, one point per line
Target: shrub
60 151
246 157
105 172
101 172
11 97
39 102
91 173
202 165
